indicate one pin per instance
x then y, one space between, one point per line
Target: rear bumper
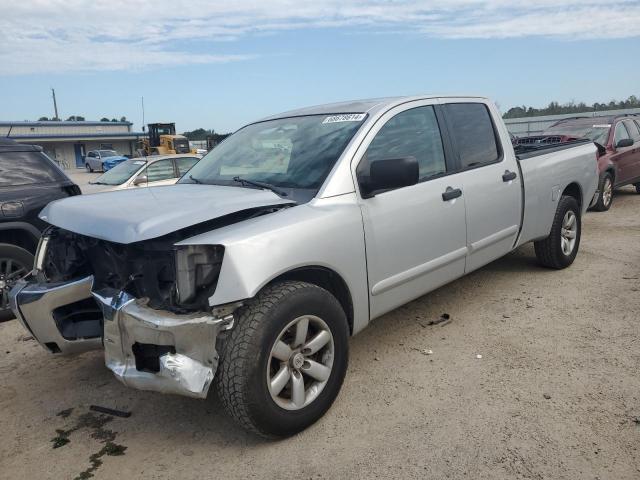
146 349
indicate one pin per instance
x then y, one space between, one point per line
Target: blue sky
220 66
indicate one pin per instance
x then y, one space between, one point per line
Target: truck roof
371 106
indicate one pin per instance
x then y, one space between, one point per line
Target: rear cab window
473 133
27 168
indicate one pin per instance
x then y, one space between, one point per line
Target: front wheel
560 248
637 185
605 197
88 167
284 362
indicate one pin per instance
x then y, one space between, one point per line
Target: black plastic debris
110 411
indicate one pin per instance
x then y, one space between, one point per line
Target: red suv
618 140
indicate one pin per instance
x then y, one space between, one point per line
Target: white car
143 172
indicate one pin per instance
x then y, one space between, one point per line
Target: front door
623 157
80 153
415 239
490 181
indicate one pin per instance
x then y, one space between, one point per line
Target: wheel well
573 190
327 279
21 238
611 171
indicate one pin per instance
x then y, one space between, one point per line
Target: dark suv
29 180
618 141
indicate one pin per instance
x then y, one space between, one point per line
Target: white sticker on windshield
139 162
347 117
604 125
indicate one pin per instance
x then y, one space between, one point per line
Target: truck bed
546 171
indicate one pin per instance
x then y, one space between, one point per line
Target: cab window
412 133
472 131
620 133
632 128
160 170
184 164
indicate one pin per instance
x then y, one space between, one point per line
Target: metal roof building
68 142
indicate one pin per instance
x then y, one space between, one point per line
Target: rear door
490 179
415 239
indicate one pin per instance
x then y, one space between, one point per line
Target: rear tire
605 197
250 362
560 248
15 262
637 185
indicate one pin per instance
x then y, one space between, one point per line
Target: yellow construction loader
163 140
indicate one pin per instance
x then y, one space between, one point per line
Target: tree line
203 134
555 108
79 118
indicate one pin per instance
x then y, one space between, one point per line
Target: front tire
88 167
15 263
560 248
284 362
637 185
605 197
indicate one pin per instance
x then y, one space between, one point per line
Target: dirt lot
555 395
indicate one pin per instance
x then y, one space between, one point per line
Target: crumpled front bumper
189 365
145 348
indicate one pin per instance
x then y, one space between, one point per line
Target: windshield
121 172
289 153
596 132
108 153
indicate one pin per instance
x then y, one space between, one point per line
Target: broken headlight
197 270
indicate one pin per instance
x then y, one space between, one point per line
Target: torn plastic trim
34 304
129 321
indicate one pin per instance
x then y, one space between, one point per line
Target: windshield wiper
267 186
199 182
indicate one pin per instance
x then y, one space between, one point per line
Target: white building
70 141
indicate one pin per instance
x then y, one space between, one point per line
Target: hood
128 216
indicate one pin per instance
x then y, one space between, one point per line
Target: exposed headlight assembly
197 270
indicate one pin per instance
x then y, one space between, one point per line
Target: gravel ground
555 395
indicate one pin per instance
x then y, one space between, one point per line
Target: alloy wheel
300 362
10 272
568 232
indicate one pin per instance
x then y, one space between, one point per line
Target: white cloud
42 36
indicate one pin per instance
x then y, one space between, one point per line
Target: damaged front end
146 303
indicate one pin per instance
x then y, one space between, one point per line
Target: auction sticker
347 117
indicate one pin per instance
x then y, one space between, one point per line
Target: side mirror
625 142
389 174
140 180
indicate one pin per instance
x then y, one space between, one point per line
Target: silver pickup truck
252 272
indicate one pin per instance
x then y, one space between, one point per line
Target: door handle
507 176
451 193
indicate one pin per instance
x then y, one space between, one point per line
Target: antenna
55 105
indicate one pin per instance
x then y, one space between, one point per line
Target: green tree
43 119
104 119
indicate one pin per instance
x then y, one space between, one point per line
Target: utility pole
55 105
143 124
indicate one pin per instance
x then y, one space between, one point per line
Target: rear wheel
637 185
284 362
605 197
560 248
15 263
